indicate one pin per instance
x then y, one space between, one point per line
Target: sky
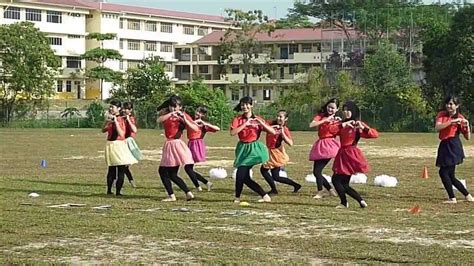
272 8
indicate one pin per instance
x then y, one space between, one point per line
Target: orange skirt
278 158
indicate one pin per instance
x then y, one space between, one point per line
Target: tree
294 21
100 55
146 86
28 66
240 44
197 93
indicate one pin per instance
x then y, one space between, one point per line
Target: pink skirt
198 149
324 149
350 160
175 153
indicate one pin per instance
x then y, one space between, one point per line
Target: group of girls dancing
338 139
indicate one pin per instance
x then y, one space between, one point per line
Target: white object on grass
358 178
219 173
33 195
385 181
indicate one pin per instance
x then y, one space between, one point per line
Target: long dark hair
355 111
275 122
172 101
455 100
243 100
324 108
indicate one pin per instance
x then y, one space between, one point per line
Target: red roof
283 35
132 9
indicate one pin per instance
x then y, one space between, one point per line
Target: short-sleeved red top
128 128
348 135
251 132
326 130
451 130
275 140
174 126
200 133
112 133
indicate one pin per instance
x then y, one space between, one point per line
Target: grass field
294 228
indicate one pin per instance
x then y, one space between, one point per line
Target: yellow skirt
278 158
117 153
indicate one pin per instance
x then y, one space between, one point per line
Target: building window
166 47
121 44
11 12
77 84
74 36
59 86
306 47
254 93
188 30
33 14
133 24
133 64
267 94
202 31
166 27
235 95
293 48
235 69
133 45
77 15
168 67
204 69
150 46
54 17
68 86
121 65
55 41
150 26
292 69
121 23
73 62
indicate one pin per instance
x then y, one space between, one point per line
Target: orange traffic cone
415 209
424 175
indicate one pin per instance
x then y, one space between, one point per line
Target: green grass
294 228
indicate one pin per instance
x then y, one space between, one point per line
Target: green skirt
250 154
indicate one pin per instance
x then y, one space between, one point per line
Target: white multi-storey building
65 25
141 32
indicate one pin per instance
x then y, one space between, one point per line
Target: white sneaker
189 196
170 198
132 183
319 195
237 200
333 192
363 204
199 188
340 206
451 201
265 198
209 186
469 198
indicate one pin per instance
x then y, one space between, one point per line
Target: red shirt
174 126
112 133
128 128
275 140
326 130
348 134
251 132
451 130
200 133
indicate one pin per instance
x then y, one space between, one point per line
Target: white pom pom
463 182
219 173
358 178
235 173
328 178
310 178
33 195
385 181
283 173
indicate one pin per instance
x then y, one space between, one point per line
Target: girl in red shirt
197 146
249 151
327 146
175 152
278 157
350 159
450 124
130 134
117 154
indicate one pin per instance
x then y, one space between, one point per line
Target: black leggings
318 173
128 174
195 176
275 176
168 174
115 172
243 177
341 184
448 177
